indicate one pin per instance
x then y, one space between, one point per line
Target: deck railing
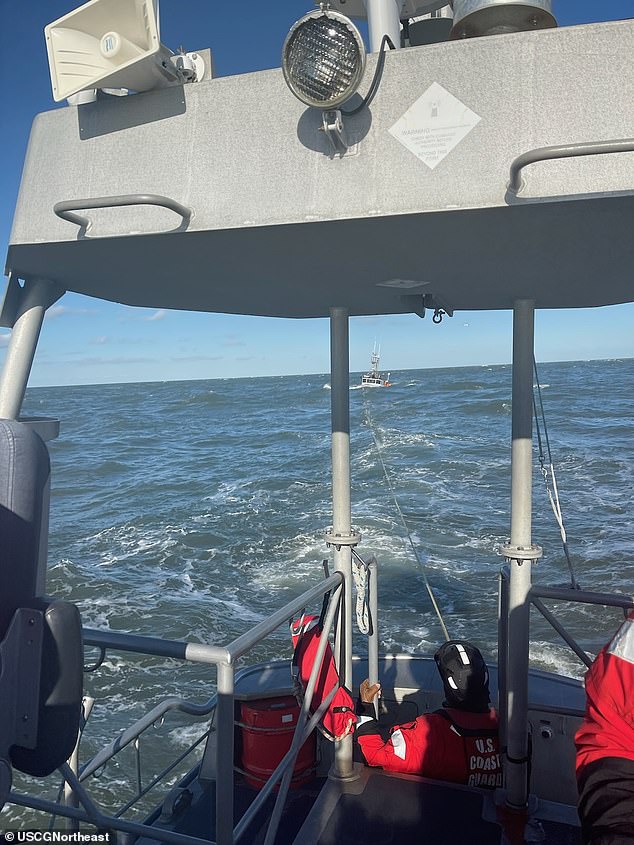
82 807
535 596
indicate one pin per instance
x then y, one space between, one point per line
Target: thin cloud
192 359
100 341
161 314
64 310
98 362
232 340
158 315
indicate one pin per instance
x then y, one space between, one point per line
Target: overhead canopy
276 224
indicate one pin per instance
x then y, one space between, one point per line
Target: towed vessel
497 140
374 378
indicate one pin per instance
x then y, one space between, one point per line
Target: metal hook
438 315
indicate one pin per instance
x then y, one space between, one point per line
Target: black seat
41 653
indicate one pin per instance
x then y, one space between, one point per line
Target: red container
267 727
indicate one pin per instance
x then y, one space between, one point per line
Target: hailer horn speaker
108 44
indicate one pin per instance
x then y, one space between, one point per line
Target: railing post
341 538
373 638
224 768
24 310
520 553
503 618
70 796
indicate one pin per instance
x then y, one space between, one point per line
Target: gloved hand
368 693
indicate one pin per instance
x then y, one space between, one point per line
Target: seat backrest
24 496
56 681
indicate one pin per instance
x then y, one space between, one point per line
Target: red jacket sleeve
402 751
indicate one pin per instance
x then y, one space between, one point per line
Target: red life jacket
451 745
481 749
608 727
339 719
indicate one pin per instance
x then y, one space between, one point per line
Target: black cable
378 73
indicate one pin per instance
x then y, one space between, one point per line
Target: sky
85 341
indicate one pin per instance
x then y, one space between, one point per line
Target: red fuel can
267 726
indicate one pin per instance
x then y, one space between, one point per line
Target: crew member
605 744
458 743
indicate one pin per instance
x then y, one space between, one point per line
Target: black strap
324 604
517 760
466 732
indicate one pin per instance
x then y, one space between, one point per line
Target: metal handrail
135 730
564 594
66 208
584 596
302 731
143 791
579 597
223 657
516 183
554 623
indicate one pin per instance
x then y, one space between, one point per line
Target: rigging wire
548 473
360 574
428 586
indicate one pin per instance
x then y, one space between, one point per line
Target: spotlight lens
323 59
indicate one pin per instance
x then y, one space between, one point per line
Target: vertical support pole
384 18
503 618
224 766
34 298
373 639
520 554
341 513
70 796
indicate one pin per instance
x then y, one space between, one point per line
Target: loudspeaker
474 18
108 44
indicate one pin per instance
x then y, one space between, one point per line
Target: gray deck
405 810
382 809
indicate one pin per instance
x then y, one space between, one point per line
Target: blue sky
85 341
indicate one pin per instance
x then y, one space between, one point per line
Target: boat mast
374 361
519 553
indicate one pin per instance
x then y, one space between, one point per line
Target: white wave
186 735
555 658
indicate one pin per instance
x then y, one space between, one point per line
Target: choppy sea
191 510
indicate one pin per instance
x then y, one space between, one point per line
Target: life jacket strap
466 732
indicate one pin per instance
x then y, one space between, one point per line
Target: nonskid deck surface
377 808
386 809
197 819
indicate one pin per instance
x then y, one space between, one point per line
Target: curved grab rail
516 183
181 705
66 208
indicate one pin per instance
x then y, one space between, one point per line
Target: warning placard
434 125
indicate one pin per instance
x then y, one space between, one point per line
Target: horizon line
324 374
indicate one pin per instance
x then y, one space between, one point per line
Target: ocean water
191 510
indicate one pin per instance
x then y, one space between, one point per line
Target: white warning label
434 125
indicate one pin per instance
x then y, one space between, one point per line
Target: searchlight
323 59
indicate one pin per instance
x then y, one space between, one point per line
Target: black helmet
464 675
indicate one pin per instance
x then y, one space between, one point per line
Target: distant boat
374 378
